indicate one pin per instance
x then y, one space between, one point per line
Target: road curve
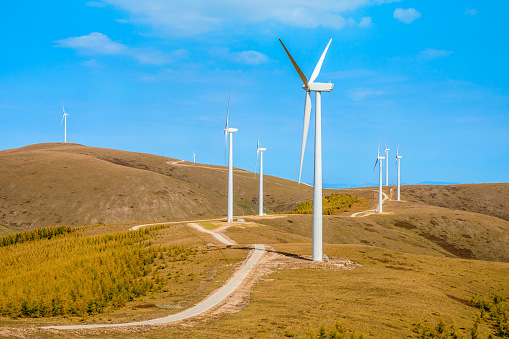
385 197
211 301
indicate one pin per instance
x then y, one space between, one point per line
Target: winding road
210 302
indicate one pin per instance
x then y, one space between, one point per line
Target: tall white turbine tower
386 165
259 151
64 120
194 157
379 161
398 159
318 88
229 131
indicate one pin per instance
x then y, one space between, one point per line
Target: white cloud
363 93
470 11
251 57
244 57
99 44
94 43
365 22
406 15
431 53
193 17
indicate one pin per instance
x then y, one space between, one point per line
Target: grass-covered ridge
333 204
76 275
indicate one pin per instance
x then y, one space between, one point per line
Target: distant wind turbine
64 120
259 151
318 88
379 162
194 157
386 165
230 131
398 159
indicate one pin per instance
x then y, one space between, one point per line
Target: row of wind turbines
379 161
309 86
316 87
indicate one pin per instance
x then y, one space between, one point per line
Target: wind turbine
259 151
318 88
194 157
398 159
379 161
64 119
230 131
386 165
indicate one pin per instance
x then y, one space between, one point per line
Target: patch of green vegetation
339 331
41 233
495 312
332 204
440 331
75 275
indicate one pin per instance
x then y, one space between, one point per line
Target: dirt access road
210 302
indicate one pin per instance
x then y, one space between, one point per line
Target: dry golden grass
68 184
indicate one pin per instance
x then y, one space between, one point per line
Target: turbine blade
307 115
397 151
376 162
302 76
62 120
228 109
319 64
258 142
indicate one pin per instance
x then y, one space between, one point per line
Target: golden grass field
414 271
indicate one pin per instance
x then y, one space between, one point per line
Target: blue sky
153 76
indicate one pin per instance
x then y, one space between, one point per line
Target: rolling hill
69 184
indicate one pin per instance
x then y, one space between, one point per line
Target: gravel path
211 301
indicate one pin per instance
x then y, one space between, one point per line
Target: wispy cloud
194 17
244 57
363 93
431 53
406 15
470 11
99 44
365 22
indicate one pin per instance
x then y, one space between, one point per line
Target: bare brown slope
407 227
51 184
490 199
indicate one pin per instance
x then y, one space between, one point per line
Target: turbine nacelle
261 149
319 87
230 130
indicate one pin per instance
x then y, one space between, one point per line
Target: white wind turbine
317 87
230 131
398 159
64 120
386 165
379 161
194 157
259 151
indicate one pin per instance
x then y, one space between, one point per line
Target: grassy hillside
68 184
490 199
383 294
